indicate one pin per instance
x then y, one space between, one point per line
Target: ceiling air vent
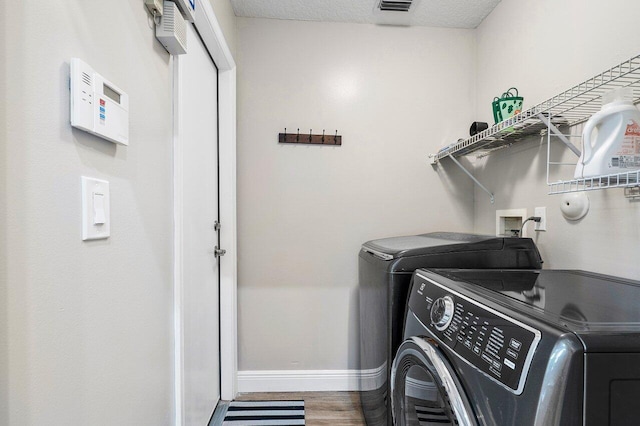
395 5
395 12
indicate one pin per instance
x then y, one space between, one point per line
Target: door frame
211 33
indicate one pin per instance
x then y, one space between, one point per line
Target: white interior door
196 162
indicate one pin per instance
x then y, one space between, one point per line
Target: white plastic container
611 137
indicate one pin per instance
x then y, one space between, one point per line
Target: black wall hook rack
310 138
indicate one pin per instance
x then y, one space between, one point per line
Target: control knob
442 312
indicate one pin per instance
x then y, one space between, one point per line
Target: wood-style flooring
320 408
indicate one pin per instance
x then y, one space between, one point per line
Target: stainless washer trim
459 403
534 344
450 307
379 254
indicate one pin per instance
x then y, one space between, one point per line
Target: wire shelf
619 180
570 107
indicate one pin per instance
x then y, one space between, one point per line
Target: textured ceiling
430 13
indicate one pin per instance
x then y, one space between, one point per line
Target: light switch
95 209
98 209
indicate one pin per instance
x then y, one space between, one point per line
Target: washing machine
522 348
385 269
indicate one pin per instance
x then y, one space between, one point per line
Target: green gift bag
506 106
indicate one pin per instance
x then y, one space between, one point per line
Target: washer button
515 344
509 364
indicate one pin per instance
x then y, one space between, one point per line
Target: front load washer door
426 391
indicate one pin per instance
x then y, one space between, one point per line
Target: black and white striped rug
258 413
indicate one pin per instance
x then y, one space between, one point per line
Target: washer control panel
499 346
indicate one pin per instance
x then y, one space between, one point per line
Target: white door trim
177 252
213 38
211 33
228 236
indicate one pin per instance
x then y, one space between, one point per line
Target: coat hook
284 137
335 138
298 135
322 135
310 135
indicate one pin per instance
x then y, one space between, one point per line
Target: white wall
4 319
86 327
395 95
543 48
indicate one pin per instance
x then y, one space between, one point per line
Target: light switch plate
96 221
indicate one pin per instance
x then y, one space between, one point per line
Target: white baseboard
310 380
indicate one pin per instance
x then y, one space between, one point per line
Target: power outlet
542 213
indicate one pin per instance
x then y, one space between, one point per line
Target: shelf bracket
553 129
473 178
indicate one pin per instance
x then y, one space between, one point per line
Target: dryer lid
431 243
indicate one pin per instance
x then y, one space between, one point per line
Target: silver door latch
218 252
216 226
